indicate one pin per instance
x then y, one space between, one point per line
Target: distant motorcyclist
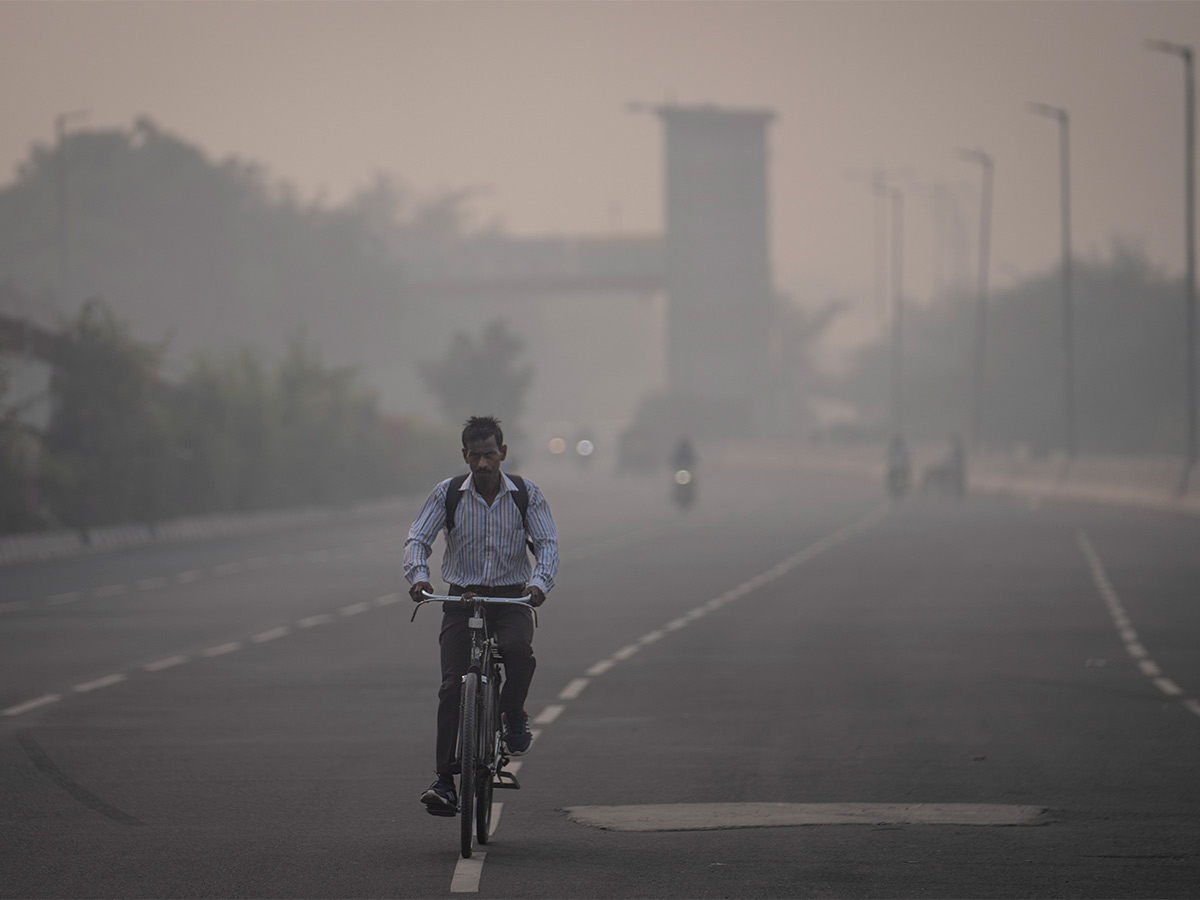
683 468
684 455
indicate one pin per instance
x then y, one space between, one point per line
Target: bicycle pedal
511 784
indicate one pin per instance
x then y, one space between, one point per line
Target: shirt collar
506 483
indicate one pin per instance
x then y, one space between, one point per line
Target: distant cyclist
684 455
486 530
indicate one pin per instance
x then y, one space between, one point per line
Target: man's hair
480 428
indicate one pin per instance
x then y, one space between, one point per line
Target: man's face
484 458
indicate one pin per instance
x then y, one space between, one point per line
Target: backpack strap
520 496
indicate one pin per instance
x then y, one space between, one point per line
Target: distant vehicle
683 488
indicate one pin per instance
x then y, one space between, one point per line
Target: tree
483 377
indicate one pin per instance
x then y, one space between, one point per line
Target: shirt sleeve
544 536
424 531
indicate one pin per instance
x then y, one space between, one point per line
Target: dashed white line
311 621
150 584
650 638
224 569
1167 686
354 609
467 873
222 649
271 634
111 590
33 704
67 597
14 605
106 681
573 689
187 576
601 667
166 663
387 599
549 714
625 652
1149 668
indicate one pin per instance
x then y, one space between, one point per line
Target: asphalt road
793 690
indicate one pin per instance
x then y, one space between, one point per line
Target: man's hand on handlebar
536 595
418 591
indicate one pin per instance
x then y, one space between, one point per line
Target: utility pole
1059 114
1189 175
64 243
985 227
897 310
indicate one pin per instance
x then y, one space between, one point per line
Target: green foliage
17 474
1129 369
481 377
234 433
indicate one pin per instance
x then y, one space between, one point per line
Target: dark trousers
512 627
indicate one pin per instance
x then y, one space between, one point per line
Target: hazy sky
528 99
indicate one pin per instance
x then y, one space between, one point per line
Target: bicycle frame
480 737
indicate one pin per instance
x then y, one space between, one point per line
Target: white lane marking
257 562
710 816
224 569
387 599
651 637
601 667
1125 628
165 663
514 765
625 652
35 703
189 575
150 584
222 649
573 689
271 634
1167 686
354 609
110 590
676 624
311 621
68 597
549 714
95 685
497 808
467 874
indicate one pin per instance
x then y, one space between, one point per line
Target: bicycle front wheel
489 730
468 736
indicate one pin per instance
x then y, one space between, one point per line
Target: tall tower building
718 266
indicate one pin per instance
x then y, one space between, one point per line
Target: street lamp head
975 155
1045 109
1170 47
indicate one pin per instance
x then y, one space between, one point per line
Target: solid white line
25 707
319 619
159 664
222 649
549 714
106 681
354 609
271 634
68 597
573 689
601 667
467 874
497 808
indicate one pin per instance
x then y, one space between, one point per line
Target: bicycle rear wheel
468 736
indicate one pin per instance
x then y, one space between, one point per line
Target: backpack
454 495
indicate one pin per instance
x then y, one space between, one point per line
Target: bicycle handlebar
446 598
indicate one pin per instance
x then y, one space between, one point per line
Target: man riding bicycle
487 526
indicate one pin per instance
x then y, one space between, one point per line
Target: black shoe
441 799
516 733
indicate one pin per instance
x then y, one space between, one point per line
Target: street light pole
897 310
64 247
1189 170
985 230
1055 112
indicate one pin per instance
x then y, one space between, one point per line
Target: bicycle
481 749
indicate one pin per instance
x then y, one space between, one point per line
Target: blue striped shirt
487 543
